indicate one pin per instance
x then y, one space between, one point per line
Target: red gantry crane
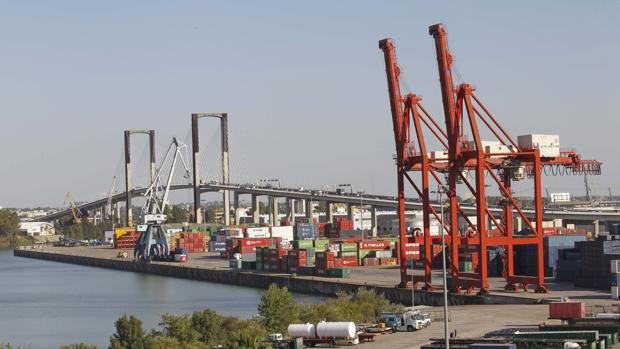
494 163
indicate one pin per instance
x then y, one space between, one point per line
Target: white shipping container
257 233
549 145
109 236
560 197
284 232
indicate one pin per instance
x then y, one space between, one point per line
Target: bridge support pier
236 207
373 221
309 210
350 212
273 211
330 212
290 206
596 229
255 209
128 172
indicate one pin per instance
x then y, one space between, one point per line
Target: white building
38 228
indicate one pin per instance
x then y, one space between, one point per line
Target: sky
303 83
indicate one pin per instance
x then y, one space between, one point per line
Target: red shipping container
297 262
325 255
262 242
374 245
298 254
244 250
370 262
567 310
346 262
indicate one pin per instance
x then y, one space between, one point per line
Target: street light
440 191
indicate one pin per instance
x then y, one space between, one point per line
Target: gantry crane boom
492 166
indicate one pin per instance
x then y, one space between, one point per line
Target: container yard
474 243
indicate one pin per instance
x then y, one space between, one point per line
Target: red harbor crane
495 163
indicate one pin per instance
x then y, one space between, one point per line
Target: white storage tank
301 330
335 330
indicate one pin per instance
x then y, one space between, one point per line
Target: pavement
386 276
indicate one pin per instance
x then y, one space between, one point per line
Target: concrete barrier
261 280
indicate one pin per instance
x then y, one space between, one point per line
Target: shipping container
567 310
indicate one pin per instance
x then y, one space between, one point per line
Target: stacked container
324 262
193 242
306 231
367 252
217 246
296 259
128 239
277 260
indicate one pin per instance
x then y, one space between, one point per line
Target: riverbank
211 269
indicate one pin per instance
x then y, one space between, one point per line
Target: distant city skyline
303 83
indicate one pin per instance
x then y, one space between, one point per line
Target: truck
414 321
411 320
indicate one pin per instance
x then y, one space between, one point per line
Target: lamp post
442 190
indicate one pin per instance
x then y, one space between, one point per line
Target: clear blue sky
303 83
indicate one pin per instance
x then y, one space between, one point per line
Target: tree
179 327
210 325
9 222
129 334
277 309
176 214
79 346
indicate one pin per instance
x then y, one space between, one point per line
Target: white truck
414 321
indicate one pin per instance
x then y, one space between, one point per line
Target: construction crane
75 211
503 161
152 243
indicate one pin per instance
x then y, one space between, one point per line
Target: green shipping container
342 273
348 246
465 266
301 244
321 244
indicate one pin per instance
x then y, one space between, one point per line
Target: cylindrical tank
335 329
301 330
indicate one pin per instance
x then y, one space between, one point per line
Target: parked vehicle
414 321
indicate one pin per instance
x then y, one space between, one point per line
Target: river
46 304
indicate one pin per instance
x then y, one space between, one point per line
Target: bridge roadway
378 201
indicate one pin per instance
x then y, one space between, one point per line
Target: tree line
206 329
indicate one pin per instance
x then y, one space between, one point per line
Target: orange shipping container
567 310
